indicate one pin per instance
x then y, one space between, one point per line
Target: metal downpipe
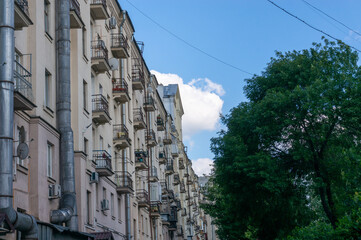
67 212
22 222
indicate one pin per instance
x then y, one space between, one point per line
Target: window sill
47 35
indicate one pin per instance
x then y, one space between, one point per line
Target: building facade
133 179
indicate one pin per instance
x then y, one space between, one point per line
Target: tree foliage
291 155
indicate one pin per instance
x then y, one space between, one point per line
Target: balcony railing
155 210
181 164
140 159
23 81
23 5
103 162
143 198
118 40
99 50
124 182
75 6
138 78
170 169
121 136
102 2
150 137
98 9
100 109
120 90
160 124
149 104
138 119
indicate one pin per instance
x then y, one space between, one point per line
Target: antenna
114 64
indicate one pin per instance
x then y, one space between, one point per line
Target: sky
242 33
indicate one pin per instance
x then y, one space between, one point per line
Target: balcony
140 159
143 198
138 81
23 91
75 19
169 168
119 46
124 182
150 138
165 212
181 164
161 157
99 56
120 90
98 9
176 179
179 231
149 104
164 188
154 210
138 119
103 162
121 138
189 180
154 175
160 124
21 14
174 149
167 139
182 187
100 109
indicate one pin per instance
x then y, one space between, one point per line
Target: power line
188 43
314 28
331 17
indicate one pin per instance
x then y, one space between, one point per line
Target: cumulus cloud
201 99
202 166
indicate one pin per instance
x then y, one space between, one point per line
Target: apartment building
97 149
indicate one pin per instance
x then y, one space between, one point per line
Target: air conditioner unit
105 204
94 177
54 191
112 23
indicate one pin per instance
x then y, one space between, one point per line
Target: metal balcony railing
123 179
138 75
75 6
23 5
120 86
150 135
23 81
170 165
102 2
138 115
160 121
142 195
149 101
118 40
100 103
99 50
103 159
120 132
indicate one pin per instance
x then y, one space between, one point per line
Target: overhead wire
309 25
188 43
309 4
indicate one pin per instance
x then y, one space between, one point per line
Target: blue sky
244 33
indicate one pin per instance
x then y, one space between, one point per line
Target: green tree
292 153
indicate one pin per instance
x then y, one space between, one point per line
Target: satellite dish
22 150
114 64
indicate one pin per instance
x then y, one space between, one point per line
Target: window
104 193
97 196
100 143
100 89
46 15
119 209
85 95
47 93
49 160
88 208
112 204
84 37
86 146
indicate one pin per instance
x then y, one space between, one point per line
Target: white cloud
202 166
201 99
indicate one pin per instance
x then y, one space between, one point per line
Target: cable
314 28
331 17
187 43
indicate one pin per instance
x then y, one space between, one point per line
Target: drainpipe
22 222
67 212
